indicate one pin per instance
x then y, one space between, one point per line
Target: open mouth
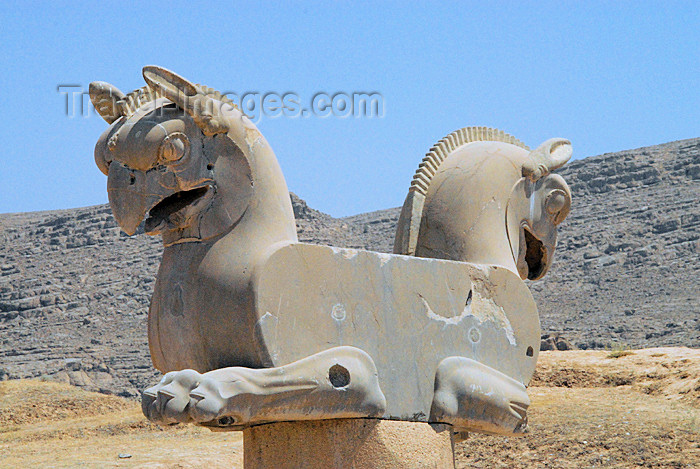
535 256
168 209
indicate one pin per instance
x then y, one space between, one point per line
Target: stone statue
251 326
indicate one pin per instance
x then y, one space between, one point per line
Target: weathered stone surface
407 313
356 443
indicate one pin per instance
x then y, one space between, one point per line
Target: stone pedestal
348 443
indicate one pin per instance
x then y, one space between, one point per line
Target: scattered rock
73 364
554 342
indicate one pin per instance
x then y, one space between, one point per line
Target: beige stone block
349 443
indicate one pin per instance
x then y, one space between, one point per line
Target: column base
348 443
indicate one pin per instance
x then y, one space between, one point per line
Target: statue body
252 326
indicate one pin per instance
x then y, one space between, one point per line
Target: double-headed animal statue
251 326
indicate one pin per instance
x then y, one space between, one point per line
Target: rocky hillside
74 291
628 263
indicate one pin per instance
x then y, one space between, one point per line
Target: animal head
481 196
176 154
538 203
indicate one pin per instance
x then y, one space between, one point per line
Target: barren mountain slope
74 292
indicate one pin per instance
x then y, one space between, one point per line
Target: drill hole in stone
210 166
469 299
339 376
226 421
530 351
338 312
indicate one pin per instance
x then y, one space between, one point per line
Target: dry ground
589 409
636 408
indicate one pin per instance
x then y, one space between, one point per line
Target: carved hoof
207 402
337 383
474 397
168 402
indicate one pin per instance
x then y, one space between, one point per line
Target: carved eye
174 147
557 205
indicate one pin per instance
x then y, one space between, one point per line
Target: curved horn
104 97
551 155
173 86
187 96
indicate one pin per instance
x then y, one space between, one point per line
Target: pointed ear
188 96
104 97
551 155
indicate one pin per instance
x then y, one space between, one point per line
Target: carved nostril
132 179
210 166
339 376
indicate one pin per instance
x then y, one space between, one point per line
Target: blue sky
607 75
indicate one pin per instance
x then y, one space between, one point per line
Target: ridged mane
441 150
137 98
408 226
